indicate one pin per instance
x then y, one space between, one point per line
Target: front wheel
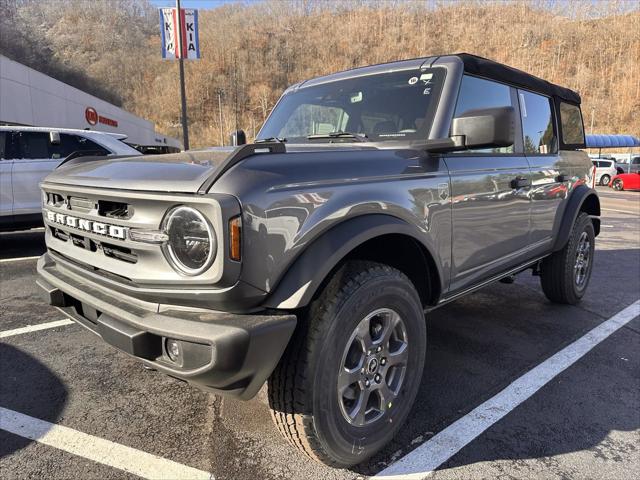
605 179
350 375
565 274
617 184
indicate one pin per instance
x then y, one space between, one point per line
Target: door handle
563 177
520 182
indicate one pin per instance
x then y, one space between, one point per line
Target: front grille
91 226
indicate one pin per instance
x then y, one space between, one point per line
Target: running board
483 284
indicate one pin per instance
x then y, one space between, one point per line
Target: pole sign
169 33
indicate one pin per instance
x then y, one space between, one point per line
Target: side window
309 119
34 145
571 124
3 143
476 93
537 124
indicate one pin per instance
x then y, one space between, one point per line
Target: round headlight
192 246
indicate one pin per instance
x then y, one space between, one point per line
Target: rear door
489 194
550 174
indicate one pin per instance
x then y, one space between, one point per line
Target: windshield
383 107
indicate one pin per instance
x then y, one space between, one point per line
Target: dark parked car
309 258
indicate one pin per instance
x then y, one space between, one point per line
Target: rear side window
478 93
3 142
571 124
75 143
537 124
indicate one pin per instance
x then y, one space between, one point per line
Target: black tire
605 179
559 273
303 389
617 184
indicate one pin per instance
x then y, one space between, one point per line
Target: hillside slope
251 52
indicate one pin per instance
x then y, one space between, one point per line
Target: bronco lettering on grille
115 231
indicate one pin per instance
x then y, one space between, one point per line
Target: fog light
173 350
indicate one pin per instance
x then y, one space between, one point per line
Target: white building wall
28 97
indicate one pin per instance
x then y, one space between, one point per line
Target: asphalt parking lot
85 410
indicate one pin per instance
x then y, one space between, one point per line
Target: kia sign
169 33
91 115
92 118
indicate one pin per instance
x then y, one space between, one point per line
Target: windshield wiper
271 139
360 137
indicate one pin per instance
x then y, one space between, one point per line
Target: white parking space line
35 328
629 212
18 259
99 450
422 461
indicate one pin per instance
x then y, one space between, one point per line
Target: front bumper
225 353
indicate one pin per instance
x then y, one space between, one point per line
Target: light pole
183 94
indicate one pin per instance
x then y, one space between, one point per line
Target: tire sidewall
602 179
348 443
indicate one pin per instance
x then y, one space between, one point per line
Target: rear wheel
565 274
605 179
350 375
617 184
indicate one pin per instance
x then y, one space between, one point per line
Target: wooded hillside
252 51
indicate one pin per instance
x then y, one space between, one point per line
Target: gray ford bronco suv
309 258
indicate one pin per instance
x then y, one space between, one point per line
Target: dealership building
28 97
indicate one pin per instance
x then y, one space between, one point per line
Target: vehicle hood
182 172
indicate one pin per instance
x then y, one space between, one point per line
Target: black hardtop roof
504 73
473 64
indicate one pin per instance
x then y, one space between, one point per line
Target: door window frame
554 122
518 142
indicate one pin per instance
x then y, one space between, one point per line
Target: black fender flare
577 199
299 283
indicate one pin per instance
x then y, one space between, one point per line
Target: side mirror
486 128
54 138
238 138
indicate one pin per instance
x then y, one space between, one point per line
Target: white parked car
605 170
28 154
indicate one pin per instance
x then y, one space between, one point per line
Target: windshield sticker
356 97
413 80
427 91
426 77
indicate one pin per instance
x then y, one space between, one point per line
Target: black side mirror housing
486 128
238 137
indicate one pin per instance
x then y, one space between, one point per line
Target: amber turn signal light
235 233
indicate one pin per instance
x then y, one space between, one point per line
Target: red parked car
626 181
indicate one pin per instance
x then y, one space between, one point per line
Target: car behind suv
605 170
309 258
28 154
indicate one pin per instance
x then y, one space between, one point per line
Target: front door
490 195
6 191
29 170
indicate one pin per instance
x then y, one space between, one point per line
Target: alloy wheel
373 367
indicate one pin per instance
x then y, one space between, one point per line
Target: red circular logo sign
91 115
